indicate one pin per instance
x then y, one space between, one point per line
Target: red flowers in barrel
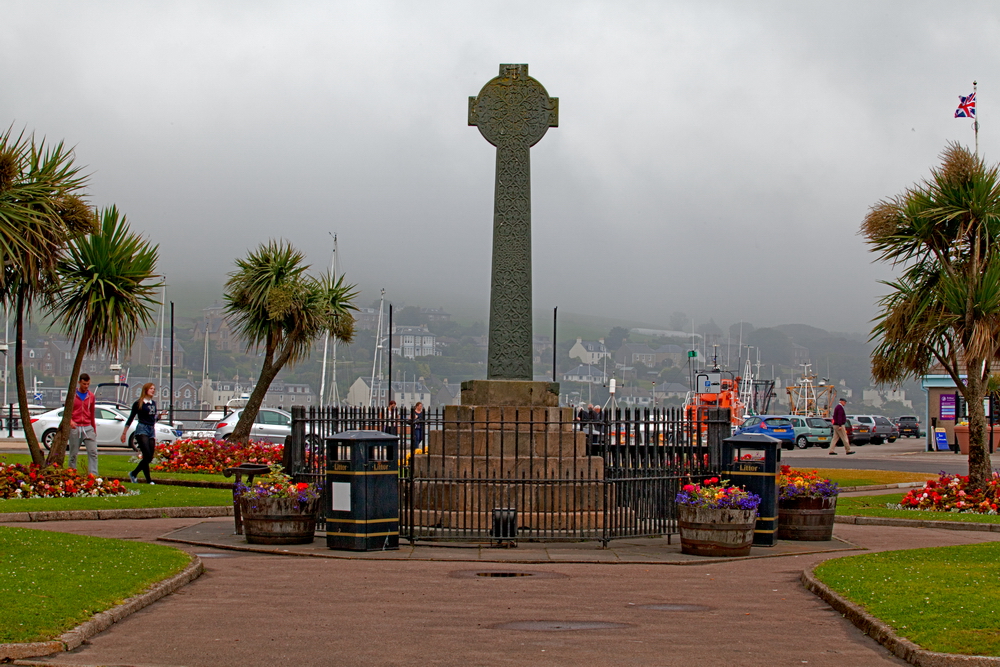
714 493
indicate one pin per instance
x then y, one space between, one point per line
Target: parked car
109 428
271 425
908 426
772 425
882 430
859 434
811 431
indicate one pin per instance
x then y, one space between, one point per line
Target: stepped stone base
509 445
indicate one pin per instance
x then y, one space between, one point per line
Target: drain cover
675 607
476 574
560 626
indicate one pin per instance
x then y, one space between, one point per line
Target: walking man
840 428
83 425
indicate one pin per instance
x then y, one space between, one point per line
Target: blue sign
941 440
38 397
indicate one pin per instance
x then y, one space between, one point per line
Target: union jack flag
966 106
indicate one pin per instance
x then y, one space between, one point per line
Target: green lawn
870 477
117 465
876 506
52 582
943 598
156 495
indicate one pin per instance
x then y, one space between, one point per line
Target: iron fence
477 473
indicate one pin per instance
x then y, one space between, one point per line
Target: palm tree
944 234
40 209
105 296
273 304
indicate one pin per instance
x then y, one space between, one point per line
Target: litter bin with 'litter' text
751 460
362 476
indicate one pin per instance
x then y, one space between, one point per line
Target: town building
411 342
406 394
585 373
589 351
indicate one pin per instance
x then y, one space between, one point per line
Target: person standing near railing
417 418
144 409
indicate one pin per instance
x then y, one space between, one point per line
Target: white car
109 427
271 425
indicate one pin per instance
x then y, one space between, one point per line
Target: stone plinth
529 457
515 393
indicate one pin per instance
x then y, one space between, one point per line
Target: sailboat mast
326 336
378 349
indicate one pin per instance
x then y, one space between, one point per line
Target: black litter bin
363 481
751 460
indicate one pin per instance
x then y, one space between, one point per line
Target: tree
40 210
944 234
105 296
616 338
273 304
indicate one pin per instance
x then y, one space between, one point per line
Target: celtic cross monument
513 111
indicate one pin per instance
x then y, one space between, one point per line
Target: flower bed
793 484
951 493
212 456
18 480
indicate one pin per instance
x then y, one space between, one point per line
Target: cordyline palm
40 210
273 304
945 307
105 296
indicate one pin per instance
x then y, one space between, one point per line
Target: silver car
109 427
882 430
271 425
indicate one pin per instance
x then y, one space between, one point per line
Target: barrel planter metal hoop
809 519
715 532
278 520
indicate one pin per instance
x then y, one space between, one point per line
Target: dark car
856 434
908 426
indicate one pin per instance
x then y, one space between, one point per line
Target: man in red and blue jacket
83 425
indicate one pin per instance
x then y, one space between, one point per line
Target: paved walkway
262 609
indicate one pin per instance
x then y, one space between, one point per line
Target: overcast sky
711 157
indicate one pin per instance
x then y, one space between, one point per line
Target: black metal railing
607 478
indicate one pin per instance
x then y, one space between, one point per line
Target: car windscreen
777 421
882 421
817 423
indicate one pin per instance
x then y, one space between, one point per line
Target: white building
589 351
585 373
413 342
406 394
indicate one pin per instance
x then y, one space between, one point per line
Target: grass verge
942 598
120 465
149 496
876 506
870 477
52 582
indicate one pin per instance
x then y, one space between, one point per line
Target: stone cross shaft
512 111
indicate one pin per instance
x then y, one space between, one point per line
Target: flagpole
975 121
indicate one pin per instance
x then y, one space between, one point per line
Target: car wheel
801 442
47 438
788 445
824 445
877 441
226 437
131 441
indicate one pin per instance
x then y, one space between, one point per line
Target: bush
212 456
18 480
951 493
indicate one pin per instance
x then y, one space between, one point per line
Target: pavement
637 604
906 454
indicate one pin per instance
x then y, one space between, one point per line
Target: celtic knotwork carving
513 112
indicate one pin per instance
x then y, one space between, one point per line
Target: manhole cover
560 626
503 574
215 555
675 607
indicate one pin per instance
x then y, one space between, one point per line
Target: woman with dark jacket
145 431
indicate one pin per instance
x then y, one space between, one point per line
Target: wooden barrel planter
808 519
715 532
278 520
